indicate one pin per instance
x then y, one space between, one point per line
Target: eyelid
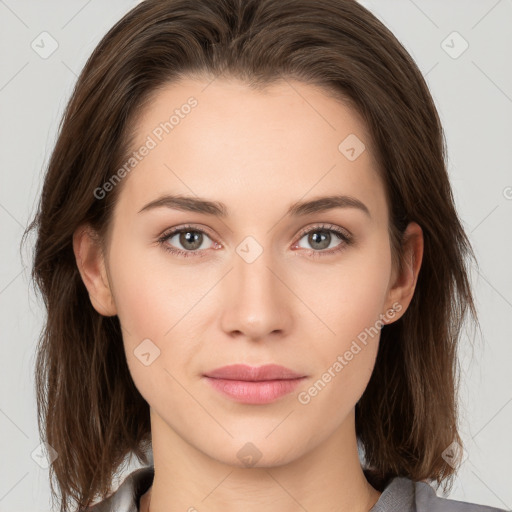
192 227
328 227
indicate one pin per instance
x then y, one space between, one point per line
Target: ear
92 268
404 280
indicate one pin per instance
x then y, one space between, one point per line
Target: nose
256 302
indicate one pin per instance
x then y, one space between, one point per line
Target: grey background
473 92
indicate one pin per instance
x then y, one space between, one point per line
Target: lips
242 372
256 385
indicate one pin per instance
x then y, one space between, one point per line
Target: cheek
345 362
351 295
155 304
351 305
151 295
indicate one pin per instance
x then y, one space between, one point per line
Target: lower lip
257 392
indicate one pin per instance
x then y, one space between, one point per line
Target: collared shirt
400 495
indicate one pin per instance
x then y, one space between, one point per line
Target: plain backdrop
464 49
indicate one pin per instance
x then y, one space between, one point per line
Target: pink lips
254 385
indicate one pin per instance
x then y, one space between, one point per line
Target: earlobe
92 268
402 290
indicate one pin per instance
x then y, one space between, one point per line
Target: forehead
244 146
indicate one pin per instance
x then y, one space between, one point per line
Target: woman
252 266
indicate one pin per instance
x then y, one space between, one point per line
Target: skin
257 152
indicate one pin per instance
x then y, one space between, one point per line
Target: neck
325 478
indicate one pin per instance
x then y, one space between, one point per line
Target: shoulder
404 495
426 499
126 497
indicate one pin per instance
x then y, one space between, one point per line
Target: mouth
254 385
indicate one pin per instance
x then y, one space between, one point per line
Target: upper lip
253 373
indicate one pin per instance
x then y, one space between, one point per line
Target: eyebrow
218 209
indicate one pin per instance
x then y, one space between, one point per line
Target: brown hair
89 409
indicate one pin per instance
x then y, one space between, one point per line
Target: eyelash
346 240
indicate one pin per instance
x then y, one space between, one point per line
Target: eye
324 239
191 239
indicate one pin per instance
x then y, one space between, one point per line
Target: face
263 283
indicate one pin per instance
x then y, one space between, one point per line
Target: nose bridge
256 302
